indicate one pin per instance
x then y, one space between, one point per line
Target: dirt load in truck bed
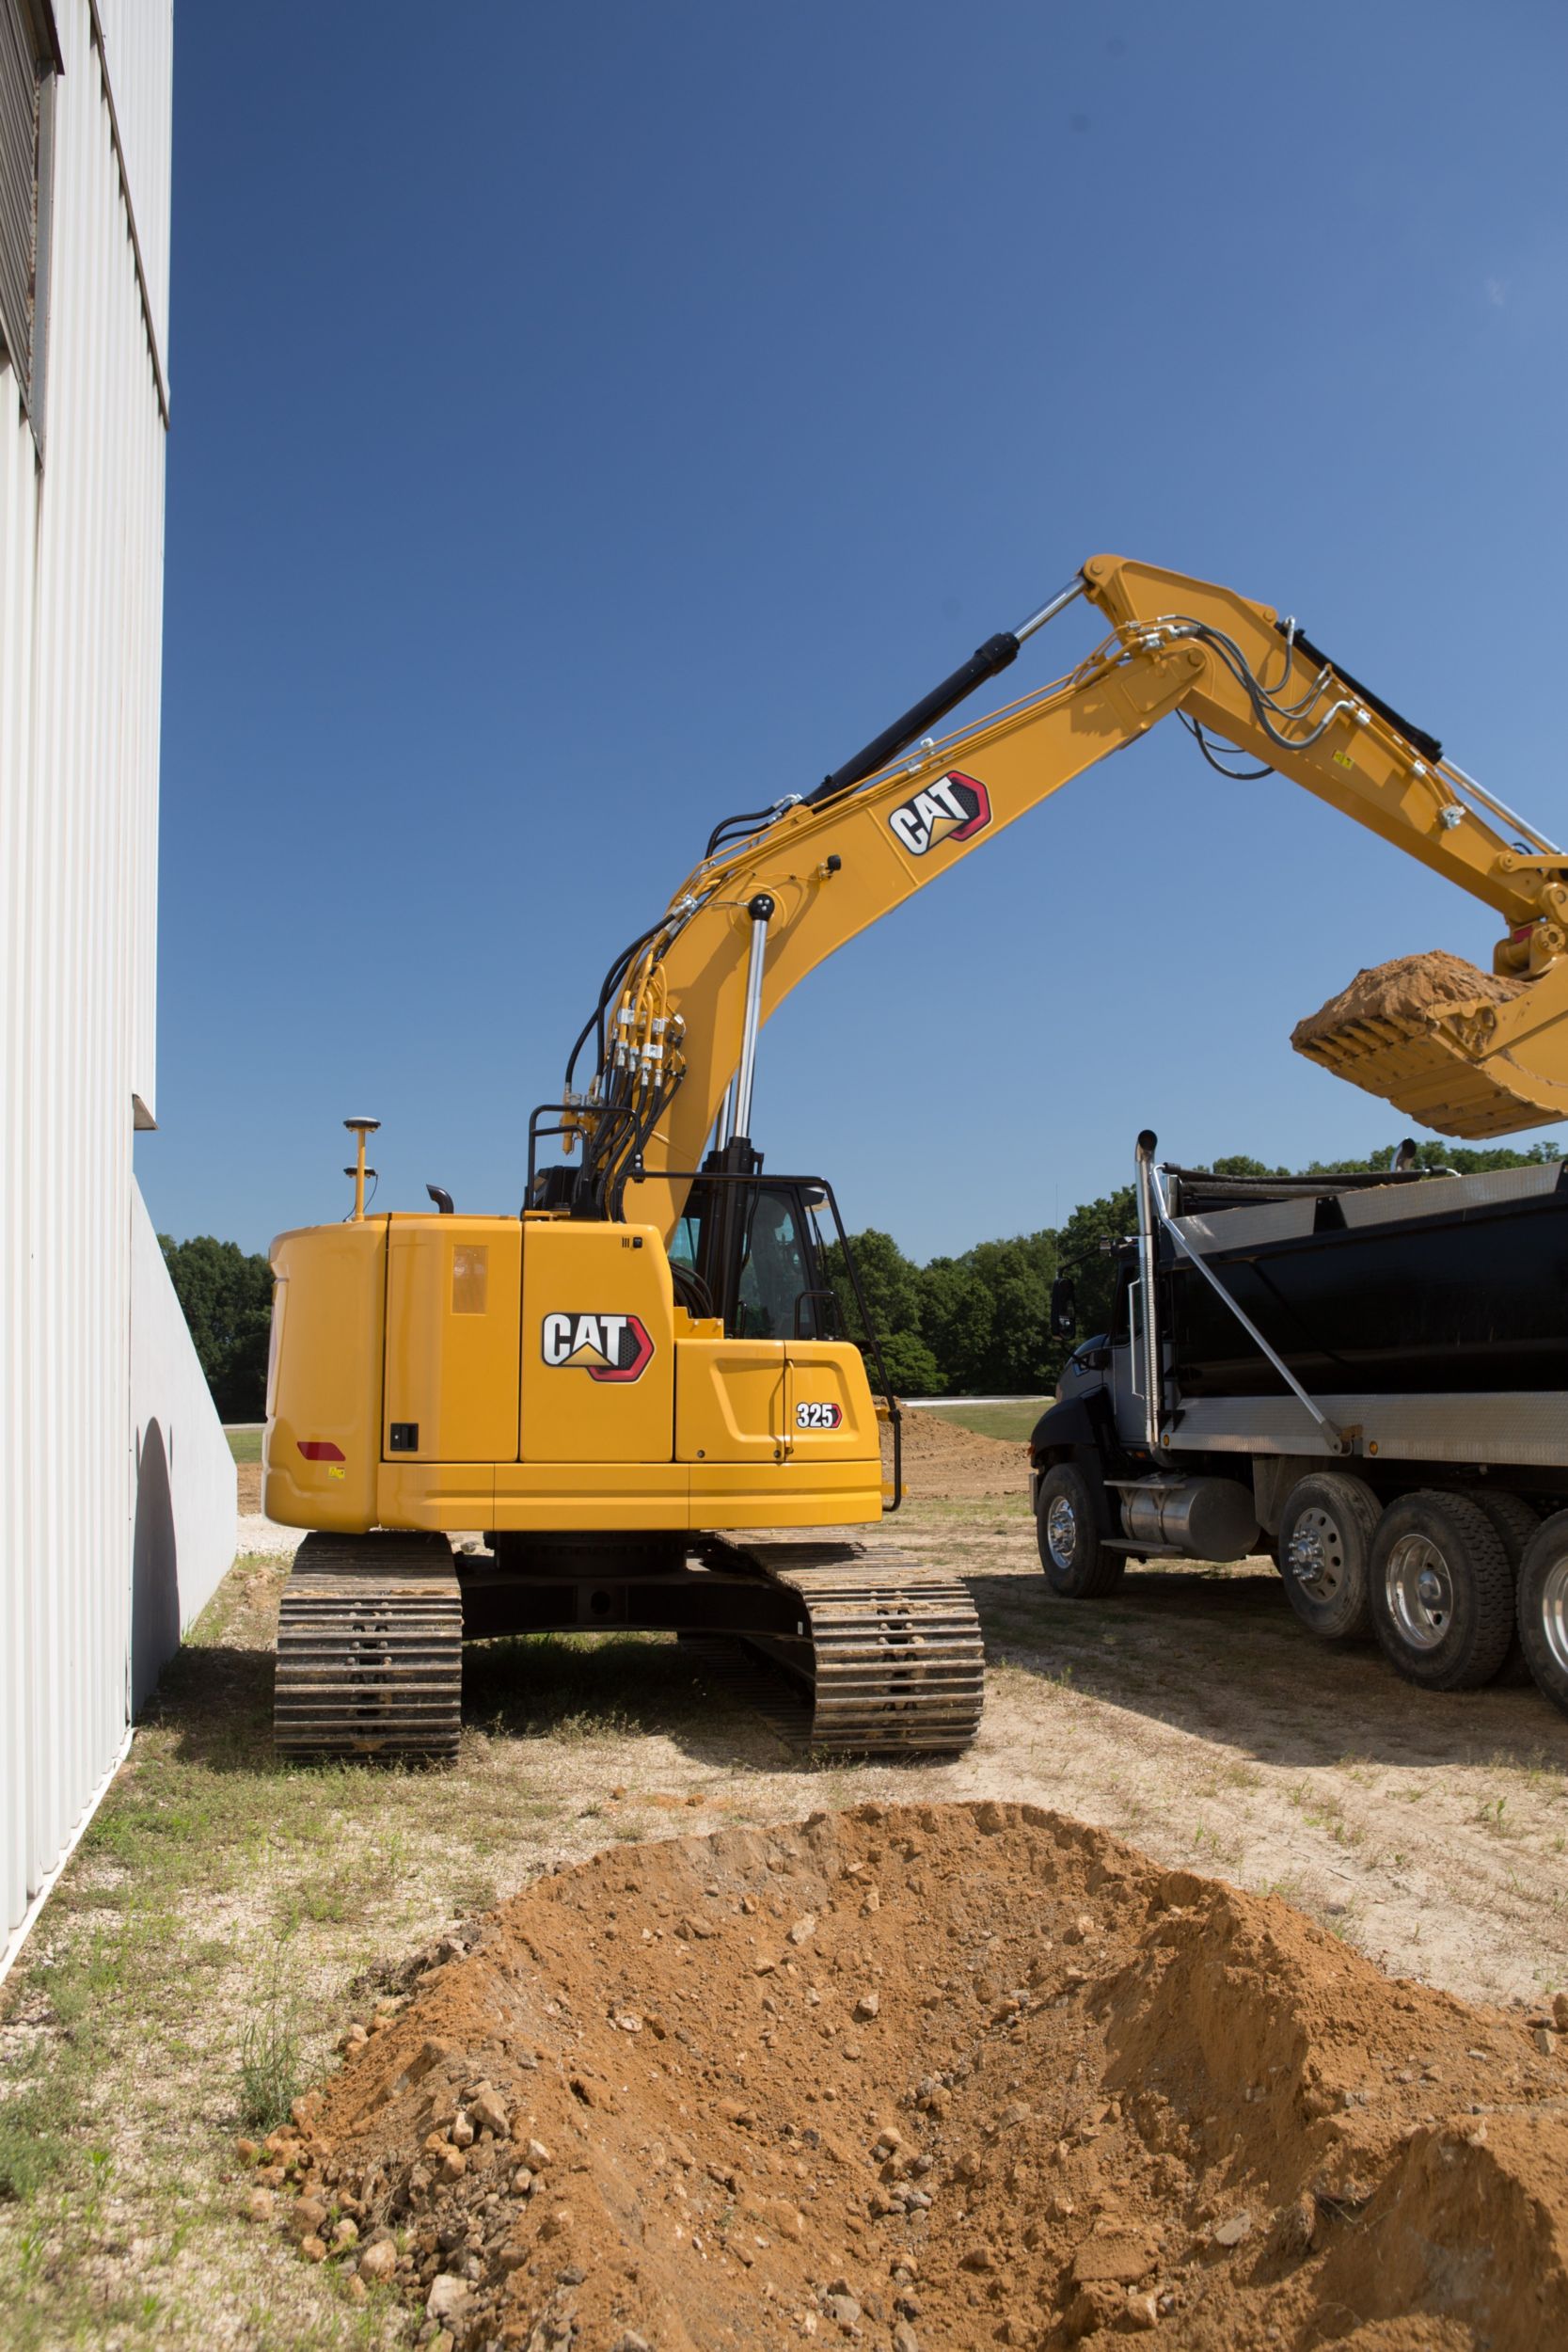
936 2075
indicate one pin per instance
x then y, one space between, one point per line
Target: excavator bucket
1454 1048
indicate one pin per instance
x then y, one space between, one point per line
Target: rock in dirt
1160 2145
447 2297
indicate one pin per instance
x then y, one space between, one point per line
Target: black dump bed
1374 1285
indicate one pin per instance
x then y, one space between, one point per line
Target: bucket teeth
1421 1033
1432 1080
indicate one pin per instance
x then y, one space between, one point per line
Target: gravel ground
227 1915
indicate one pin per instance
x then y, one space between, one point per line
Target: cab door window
775 1271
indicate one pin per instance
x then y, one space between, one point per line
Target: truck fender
1068 1431
1062 1427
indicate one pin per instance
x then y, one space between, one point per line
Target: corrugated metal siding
138 43
19 123
81 589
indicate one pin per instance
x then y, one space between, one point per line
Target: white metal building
117 1492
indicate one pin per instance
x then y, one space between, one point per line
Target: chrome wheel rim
1554 1612
1316 1554
1420 1591
1061 1530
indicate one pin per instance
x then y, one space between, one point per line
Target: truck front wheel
1442 1592
1076 1564
1543 1607
1325 1540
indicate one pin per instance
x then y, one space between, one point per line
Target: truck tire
1543 1607
1076 1564
1515 1521
1442 1591
1325 1541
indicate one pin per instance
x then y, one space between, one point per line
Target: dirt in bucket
925 2078
1410 990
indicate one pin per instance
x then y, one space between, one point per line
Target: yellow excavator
637 1391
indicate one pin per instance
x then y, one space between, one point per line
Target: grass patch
39 2109
270 2058
1015 1419
245 1444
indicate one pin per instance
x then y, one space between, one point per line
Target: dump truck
634 1394
1365 1375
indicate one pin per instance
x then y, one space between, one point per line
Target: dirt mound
1413 989
940 1459
936 2076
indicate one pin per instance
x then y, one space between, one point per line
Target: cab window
775 1274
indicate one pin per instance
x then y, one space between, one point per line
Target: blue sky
590 421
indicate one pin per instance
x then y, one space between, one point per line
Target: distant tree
227 1300
1463 1158
1017 1274
911 1368
1084 1247
957 1313
890 1281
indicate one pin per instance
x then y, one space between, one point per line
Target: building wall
81 599
182 1530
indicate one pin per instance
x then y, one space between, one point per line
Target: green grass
245 1444
1016 1419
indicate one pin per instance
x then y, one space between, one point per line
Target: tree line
972 1325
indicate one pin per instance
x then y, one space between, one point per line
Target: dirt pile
1412 990
934 2076
941 1459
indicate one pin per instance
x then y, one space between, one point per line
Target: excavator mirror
1064 1308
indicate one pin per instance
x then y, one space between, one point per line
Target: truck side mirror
1064 1308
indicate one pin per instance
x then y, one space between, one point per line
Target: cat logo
954 808
606 1347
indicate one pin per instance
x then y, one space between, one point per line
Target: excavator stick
1455 1049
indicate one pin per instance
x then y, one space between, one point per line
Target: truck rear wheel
1543 1607
1442 1592
1325 1540
1076 1564
1515 1522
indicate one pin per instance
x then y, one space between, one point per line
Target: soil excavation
927 2077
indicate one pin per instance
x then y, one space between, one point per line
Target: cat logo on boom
606 1347
954 808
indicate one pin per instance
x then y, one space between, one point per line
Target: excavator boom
1466 1052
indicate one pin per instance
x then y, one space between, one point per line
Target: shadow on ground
216 1698
1222 1657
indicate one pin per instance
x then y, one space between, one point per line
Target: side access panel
599 1351
454 1286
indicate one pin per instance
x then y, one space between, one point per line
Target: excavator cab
754 1258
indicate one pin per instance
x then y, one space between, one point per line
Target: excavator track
370 1648
889 1655
879 1654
